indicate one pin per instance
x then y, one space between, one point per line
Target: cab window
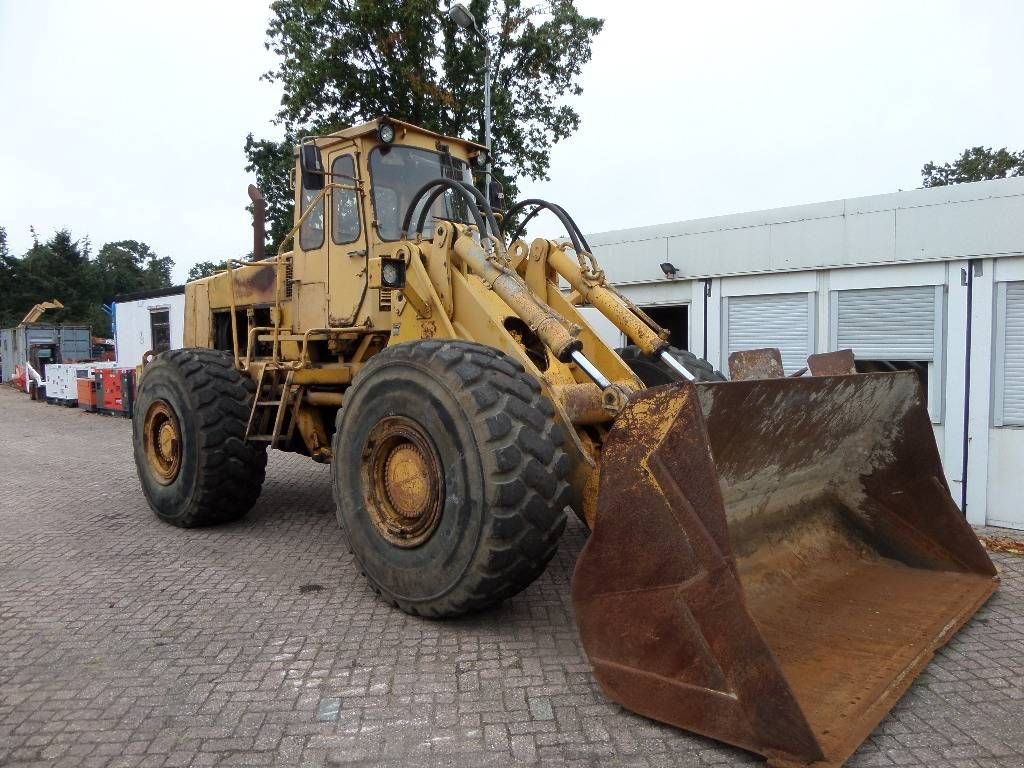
311 236
398 172
345 224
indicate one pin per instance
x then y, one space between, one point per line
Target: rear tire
449 476
188 435
654 373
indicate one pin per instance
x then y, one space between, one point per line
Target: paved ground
125 642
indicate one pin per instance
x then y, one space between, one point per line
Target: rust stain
428 329
582 403
836 363
773 562
259 280
750 364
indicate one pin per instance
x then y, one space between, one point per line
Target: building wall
132 334
942 223
813 254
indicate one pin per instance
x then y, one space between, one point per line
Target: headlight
480 159
392 273
386 133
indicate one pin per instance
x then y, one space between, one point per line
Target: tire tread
230 470
524 462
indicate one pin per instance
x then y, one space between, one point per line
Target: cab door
347 276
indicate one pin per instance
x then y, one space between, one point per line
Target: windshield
398 172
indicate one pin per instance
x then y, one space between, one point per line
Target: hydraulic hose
579 242
441 184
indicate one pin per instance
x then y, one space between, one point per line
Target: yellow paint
321 313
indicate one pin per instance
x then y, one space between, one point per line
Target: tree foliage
975 164
64 268
205 269
346 61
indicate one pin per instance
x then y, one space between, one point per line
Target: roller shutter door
1010 356
780 320
887 323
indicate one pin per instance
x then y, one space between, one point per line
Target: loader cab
388 161
372 173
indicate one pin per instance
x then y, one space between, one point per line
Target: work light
386 133
392 273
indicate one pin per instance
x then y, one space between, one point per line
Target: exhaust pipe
259 223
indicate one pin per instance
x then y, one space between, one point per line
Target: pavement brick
126 642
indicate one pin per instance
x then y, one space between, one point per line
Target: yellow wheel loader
771 562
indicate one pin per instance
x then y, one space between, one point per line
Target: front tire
188 435
449 476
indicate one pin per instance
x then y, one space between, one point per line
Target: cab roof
362 129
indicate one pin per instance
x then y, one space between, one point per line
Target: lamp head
460 14
669 269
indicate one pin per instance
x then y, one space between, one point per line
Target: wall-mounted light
669 269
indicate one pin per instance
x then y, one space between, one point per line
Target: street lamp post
460 14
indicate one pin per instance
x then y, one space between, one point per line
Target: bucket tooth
773 562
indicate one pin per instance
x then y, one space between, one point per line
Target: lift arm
39 309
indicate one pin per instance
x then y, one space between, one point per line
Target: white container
62 379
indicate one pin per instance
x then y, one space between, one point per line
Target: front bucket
773 562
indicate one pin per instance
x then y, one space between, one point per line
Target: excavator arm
39 309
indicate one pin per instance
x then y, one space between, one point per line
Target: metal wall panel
732 251
1009 362
75 343
803 244
635 260
781 320
979 227
869 237
886 323
7 354
939 223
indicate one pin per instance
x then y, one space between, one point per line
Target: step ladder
275 394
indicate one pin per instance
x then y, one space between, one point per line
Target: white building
891 276
148 321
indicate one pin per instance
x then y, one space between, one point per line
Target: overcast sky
127 120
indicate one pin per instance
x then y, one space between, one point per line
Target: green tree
125 266
8 282
346 61
62 268
975 164
205 269
58 268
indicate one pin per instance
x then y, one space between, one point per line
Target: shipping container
43 344
75 343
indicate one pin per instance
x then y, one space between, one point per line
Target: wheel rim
162 439
403 481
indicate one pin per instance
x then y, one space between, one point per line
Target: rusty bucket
773 562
